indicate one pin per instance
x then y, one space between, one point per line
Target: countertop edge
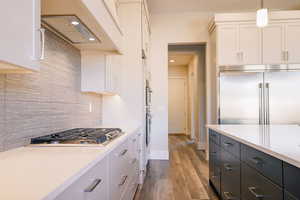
260 148
60 189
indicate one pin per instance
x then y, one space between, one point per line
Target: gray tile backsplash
47 101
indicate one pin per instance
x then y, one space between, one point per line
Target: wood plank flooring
183 177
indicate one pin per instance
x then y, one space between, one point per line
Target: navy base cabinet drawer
291 176
255 186
269 166
231 146
231 173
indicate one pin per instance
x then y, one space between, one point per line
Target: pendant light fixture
262 15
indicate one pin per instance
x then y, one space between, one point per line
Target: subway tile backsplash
47 101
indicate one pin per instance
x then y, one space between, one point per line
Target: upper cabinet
88 25
273 44
100 73
20 36
240 42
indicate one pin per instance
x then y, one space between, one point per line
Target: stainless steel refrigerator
259 94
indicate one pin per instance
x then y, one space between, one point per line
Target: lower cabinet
114 178
256 186
90 186
214 166
240 172
230 179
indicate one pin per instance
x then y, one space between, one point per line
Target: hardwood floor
183 177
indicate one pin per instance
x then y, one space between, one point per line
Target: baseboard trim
159 155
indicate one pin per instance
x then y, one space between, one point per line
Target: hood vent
70 28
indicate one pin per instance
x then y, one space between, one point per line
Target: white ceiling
173 6
181 59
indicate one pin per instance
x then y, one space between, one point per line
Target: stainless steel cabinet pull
287 56
283 56
267 103
134 140
228 144
228 167
42 56
260 103
257 161
123 152
123 181
92 187
253 191
228 196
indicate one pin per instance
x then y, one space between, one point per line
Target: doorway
187 92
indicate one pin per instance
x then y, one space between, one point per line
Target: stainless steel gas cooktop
79 136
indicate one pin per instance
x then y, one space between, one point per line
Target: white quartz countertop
36 173
280 141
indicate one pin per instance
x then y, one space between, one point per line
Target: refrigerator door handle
267 102
260 86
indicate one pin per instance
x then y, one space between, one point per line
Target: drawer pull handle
134 140
92 187
228 196
228 167
253 191
257 161
124 178
123 152
227 144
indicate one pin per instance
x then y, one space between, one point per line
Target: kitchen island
255 162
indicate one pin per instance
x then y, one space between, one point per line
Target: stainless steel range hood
70 28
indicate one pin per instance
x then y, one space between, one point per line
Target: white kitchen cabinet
20 36
292 43
100 73
250 44
273 44
238 44
91 186
227 45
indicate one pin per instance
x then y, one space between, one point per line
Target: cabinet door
273 44
250 45
292 40
230 176
20 34
227 45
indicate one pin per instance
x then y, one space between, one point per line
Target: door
292 42
250 44
20 33
227 45
284 97
177 105
273 44
239 97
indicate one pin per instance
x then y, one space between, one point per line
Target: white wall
188 28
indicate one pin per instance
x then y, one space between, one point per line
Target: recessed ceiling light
92 39
172 61
75 23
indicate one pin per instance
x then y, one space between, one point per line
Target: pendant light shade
262 16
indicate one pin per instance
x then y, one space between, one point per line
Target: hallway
184 177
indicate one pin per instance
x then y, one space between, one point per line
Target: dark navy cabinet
240 172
